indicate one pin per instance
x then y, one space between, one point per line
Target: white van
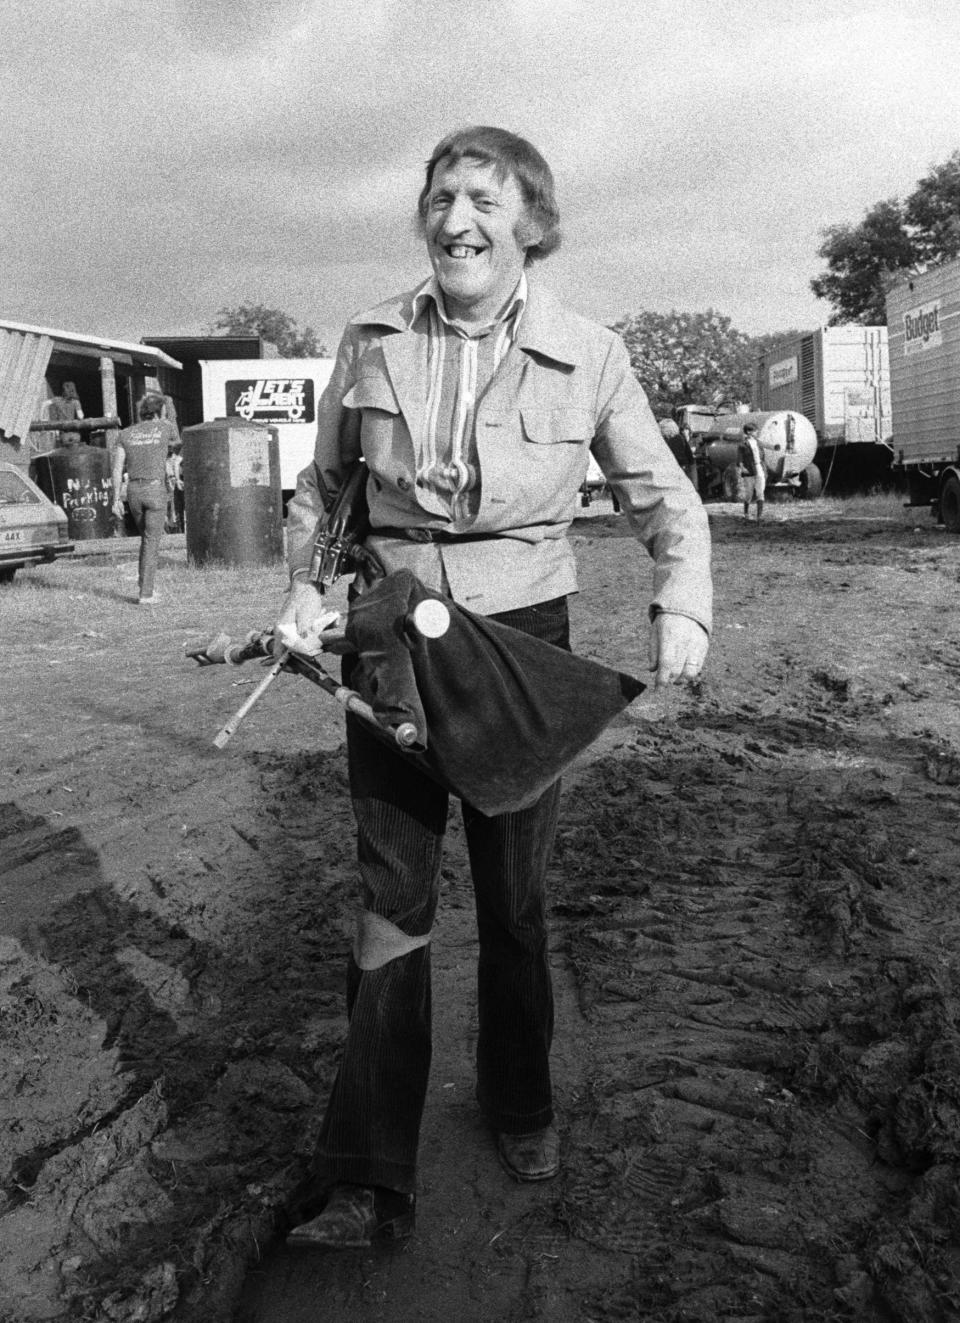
281 391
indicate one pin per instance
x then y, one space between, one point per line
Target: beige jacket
565 389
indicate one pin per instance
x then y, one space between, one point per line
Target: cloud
190 154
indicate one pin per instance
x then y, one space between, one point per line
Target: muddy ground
756 941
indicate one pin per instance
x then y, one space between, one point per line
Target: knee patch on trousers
378 941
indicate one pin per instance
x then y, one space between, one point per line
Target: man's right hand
300 613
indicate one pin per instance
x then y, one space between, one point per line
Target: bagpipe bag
499 714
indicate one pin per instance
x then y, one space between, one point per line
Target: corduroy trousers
371 1128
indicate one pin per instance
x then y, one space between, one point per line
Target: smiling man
475 401
477 233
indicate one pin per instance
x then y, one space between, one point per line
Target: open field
756 942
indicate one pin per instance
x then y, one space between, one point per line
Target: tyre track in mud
167 1033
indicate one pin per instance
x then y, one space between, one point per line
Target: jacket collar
430 290
546 327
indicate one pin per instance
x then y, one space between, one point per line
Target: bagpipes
489 712
431 619
338 549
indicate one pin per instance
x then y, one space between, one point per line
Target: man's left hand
678 648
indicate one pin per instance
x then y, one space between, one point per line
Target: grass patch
94 594
878 504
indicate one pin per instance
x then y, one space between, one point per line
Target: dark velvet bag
499 714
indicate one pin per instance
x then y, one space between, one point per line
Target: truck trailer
923 321
838 377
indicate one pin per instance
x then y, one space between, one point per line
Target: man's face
472 225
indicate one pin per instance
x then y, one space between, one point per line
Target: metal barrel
77 478
233 503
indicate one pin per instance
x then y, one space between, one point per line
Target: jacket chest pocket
548 462
557 426
384 439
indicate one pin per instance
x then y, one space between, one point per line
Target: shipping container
923 321
837 376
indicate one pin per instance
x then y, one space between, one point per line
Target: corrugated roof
24 356
144 353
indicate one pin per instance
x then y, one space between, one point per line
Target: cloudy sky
164 158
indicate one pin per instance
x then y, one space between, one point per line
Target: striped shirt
460 366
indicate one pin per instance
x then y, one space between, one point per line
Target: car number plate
11 536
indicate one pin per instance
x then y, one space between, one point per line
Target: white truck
837 376
923 322
280 391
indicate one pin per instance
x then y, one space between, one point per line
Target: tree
688 358
932 213
893 236
274 326
860 260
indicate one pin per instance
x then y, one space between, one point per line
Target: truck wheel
950 503
811 483
7 572
731 483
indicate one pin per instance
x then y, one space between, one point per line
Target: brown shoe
354 1216
533 1157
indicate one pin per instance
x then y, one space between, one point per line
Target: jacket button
403 483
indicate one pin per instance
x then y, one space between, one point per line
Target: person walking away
141 453
753 477
474 400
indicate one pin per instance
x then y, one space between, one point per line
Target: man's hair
749 429
509 155
151 406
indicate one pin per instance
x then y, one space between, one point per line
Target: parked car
32 528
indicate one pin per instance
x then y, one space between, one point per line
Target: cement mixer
788 443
